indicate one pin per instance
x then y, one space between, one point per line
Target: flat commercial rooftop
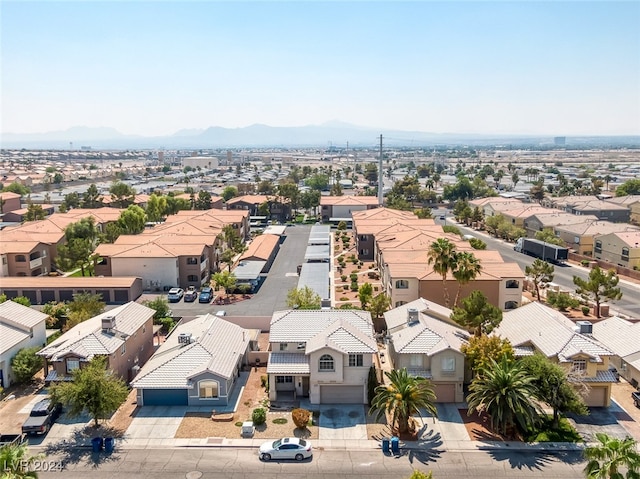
320 252
248 270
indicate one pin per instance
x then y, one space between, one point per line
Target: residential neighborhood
322 306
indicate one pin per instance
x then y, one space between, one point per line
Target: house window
400 303
284 379
284 346
325 363
192 260
625 254
510 305
123 348
579 365
103 261
192 278
512 283
415 360
21 258
402 284
355 360
4 260
208 389
364 251
598 247
448 365
72 365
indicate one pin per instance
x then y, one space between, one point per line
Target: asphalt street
563 274
236 463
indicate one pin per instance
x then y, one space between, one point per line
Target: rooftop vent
184 338
413 316
108 323
585 327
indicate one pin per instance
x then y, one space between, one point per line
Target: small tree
94 389
541 273
600 286
365 292
26 363
161 307
553 387
303 298
481 350
16 462
301 417
379 305
477 313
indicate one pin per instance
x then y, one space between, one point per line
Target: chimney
108 323
412 315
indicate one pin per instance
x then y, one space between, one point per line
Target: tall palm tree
505 391
610 455
442 254
403 397
16 463
466 268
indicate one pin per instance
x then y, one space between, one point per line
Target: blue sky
152 68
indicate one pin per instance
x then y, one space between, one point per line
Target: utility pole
380 198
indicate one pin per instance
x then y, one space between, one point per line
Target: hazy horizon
476 68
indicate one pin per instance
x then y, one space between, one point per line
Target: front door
305 386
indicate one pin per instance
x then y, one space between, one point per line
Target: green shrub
264 381
354 286
353 277
238 423
26 363
586 310
280 420
259 416
584 262
344 298
167 324
343 277
561 301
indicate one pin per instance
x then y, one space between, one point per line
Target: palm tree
505 391
609 456
16 463
466 268
442 254
403 397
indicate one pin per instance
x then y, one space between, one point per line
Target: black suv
636 398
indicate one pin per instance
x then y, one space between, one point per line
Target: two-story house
124 335
423 341
324 355
537 328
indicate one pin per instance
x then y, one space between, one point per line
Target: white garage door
342 394
597 397
445 392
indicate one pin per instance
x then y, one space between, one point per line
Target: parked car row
175 295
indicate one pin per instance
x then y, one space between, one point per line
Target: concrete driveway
600 419
157 425
342 421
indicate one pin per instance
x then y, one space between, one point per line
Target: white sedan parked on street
286 448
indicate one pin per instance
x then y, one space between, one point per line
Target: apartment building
630 201
581 236
336 208
24 258
276 207
553 219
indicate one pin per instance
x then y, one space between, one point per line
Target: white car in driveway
286 448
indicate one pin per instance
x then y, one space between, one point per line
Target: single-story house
197 365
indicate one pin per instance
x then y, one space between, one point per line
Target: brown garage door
342 394
597 397
445 392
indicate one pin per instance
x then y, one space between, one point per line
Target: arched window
325 363
208 389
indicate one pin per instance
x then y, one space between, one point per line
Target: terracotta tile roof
348 200
41 282
10 247
261 247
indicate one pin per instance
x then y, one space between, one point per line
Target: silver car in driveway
286 448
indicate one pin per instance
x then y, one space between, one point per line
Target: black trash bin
109 444
96 444
395 445
385 445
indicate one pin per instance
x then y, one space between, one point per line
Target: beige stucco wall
155 272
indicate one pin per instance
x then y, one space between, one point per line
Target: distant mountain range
333 133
